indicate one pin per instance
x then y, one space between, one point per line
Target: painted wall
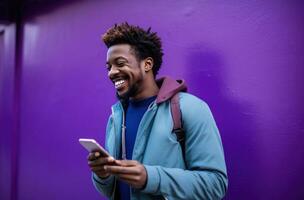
245 58
8 111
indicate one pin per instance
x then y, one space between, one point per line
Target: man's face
125 71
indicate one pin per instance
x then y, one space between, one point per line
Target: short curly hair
144 43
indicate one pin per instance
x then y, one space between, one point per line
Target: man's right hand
97 162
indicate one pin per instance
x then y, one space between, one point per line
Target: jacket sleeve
206 175
105 186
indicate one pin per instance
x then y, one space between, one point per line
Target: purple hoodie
168 88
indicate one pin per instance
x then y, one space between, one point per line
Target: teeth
119 83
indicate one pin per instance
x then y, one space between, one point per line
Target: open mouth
119 84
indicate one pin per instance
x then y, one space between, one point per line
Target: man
148 161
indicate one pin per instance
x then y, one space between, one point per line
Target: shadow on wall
43 7
235 120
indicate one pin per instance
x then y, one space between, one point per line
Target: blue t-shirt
134 114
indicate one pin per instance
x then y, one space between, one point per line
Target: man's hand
97 164
129 171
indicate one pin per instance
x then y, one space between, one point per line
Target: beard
131 92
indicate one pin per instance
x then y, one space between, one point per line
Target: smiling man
149 160
130 75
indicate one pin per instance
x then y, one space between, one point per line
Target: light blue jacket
157 148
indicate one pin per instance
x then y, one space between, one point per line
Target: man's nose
113 71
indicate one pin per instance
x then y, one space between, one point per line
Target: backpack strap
177 122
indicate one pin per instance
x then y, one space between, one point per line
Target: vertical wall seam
17 89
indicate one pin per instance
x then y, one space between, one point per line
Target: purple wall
8 111
245 58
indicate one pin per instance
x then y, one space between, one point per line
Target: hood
168 88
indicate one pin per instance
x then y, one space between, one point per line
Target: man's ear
148 64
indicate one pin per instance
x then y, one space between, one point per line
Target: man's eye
120 64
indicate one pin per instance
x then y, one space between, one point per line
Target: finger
126 163
100 172
128 177
114 169
95 155
102 161
91 156
98 169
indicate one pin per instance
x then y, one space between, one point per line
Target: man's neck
149 91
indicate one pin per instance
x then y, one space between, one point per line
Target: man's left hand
129 171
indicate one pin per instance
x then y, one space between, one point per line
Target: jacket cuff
101 181
153 180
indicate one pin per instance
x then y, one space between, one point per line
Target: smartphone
92 146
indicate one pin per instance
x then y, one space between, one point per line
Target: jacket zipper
123 136
123 129
115 152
